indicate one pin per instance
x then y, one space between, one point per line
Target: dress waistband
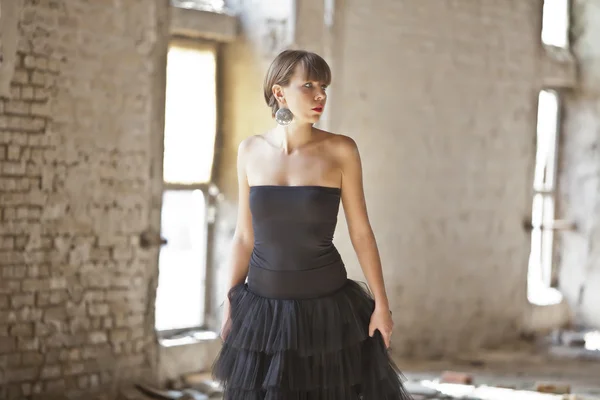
300 284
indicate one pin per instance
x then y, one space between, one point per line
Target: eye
324 87
308 85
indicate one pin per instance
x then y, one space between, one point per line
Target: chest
294 169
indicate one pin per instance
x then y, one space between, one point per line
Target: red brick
457 377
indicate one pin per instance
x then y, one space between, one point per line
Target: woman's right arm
243 238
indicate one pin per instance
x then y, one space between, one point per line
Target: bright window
555 23
180 295
191 108
541 273
189 139
208 5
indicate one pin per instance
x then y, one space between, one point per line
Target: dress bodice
293 232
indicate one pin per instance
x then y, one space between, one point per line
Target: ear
278 93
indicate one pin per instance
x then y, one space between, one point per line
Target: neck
294 135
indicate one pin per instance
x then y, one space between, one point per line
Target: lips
318 109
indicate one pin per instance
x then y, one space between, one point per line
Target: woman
299 328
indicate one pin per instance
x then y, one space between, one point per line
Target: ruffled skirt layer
306 349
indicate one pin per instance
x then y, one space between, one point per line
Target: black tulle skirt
308 349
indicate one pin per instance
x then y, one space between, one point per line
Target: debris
573 338
165 394
417 389
190 394
457 377
204 383
550 387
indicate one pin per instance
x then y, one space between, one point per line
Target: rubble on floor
449 385
437 390
196 386
581 343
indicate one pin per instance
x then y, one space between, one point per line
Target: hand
225 328
226 324
381 320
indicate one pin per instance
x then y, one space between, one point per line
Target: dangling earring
284 116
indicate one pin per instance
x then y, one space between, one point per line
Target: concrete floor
513 369
518 366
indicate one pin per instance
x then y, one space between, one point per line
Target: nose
321 95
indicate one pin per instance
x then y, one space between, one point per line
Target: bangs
315 68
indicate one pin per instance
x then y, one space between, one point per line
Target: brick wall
79 150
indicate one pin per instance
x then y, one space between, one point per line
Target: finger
224 333
386 341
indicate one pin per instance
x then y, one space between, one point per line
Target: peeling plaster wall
441 98
580 177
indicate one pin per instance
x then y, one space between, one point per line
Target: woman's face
305 98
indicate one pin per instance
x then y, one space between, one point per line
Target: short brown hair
283 66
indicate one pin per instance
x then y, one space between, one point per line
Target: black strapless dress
299 326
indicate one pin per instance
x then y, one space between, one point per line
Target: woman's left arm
359 227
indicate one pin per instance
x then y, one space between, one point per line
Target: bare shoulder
249 145
250 142
341 146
